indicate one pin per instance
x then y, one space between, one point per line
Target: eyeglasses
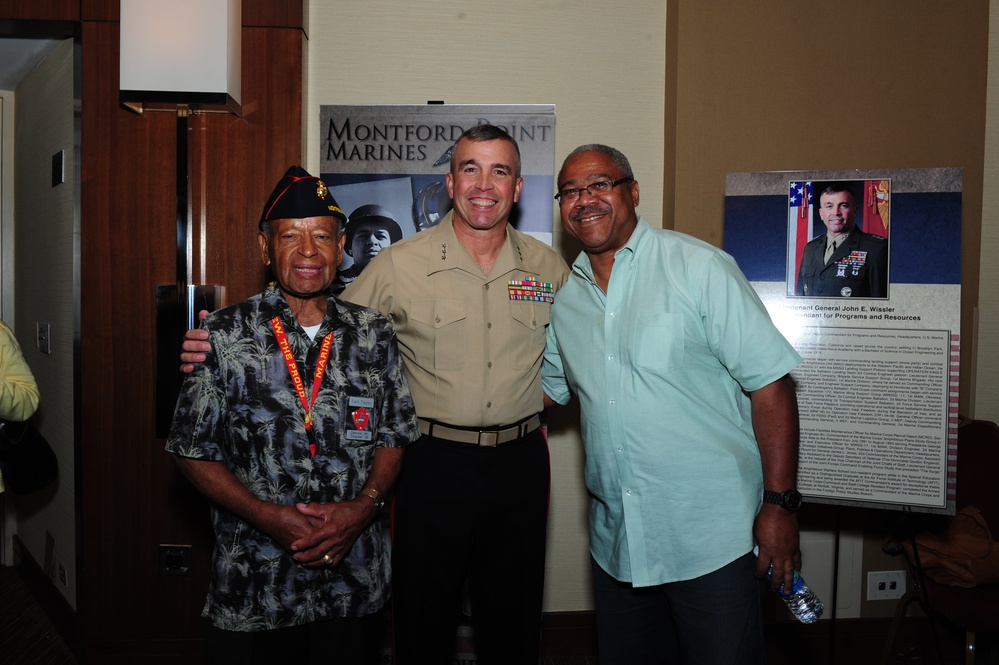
570 194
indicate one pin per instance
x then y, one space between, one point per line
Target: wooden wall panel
239 161
258 13
100 10
127 247
273 13
132 497
41 10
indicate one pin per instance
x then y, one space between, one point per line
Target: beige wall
601 65
46 247
985 396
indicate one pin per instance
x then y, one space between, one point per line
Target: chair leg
900 611
936 638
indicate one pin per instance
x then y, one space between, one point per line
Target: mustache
593 208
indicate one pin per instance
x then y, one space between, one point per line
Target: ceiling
18 57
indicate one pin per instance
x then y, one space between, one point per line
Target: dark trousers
460 512
340 641
711 620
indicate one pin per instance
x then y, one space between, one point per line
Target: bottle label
795 587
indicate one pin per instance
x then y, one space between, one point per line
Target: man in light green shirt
688 416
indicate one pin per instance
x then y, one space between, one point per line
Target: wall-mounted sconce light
181 54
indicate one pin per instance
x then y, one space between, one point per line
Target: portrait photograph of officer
847 254
369 229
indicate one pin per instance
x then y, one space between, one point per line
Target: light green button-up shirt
661 364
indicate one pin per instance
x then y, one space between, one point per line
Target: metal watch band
375 496
789 500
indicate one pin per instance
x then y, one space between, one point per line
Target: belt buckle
489 439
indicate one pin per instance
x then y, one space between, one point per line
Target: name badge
359 425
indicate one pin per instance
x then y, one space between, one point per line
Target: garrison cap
298 195
373 214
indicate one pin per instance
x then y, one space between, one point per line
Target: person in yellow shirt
18 390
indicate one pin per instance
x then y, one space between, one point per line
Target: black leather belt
481 437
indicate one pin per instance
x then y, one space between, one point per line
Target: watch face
792 499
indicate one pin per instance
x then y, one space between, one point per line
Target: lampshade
181 54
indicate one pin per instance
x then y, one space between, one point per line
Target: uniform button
613 402
611 357
489 325
489 365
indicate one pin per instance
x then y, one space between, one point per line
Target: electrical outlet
175 560
885 584
43 337
50 556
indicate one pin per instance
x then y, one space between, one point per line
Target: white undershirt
311 330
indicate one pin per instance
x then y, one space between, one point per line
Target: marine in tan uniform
469 299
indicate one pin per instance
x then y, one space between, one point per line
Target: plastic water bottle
801 600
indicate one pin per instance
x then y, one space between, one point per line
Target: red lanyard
296 376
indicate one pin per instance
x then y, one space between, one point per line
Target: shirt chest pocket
441 332
527 336
659 342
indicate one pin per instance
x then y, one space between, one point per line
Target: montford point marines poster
386 167
390 161
861 271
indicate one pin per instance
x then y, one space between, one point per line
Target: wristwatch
375 496
789 500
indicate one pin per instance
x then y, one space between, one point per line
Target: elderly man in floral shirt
294 427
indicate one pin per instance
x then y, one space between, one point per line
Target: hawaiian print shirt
240 407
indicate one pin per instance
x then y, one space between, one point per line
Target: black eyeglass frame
574 193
